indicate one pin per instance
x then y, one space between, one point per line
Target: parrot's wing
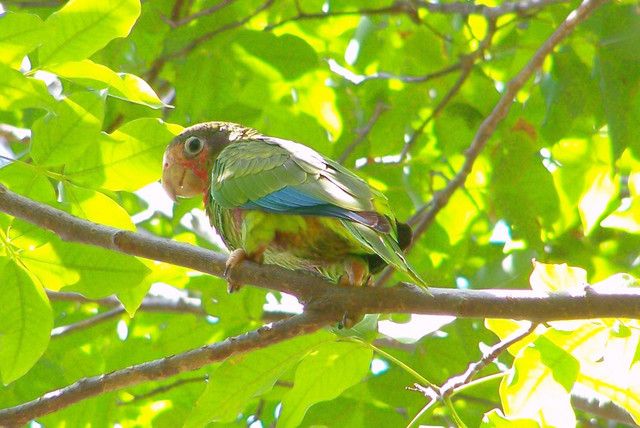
285 177
281 176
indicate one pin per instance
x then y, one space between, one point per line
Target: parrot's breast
291 241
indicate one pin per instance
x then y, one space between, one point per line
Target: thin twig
455 382
451 386
605 410
396 8
412 79
175 23
467 64
490 12
489 125
161 368
87 323
149 304
362 133
163 388
410 8
208 36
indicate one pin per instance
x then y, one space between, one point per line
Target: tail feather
384 246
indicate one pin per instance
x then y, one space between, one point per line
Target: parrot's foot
356 273
236 257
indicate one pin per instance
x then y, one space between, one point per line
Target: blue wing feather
289 200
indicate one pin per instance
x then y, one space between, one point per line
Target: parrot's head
187 163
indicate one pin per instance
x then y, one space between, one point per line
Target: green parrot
280 202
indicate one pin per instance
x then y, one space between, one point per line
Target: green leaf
570 95
18 91
241 378
126 159
323 375
25 322
20 33
97 76
560 277
289 54
67 131
523 189
102 272
617 68
540 383
83 27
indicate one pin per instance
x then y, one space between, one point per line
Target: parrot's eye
193 146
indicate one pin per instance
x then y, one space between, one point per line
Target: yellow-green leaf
539 385
126 159
97 76
83 27
20 33
595 201
95 206
557 277
45 264
18 91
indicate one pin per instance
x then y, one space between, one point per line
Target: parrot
279 202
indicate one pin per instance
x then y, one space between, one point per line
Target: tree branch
467 64
208 36
149 304
453 383
364 131
605 410
162 368
318 294
410 8
87 323
174 22
424 219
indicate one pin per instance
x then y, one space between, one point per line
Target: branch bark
162 368
318 294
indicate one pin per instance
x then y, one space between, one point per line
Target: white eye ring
193 146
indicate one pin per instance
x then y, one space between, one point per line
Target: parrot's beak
180 181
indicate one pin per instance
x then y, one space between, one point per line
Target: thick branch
161 368
316 292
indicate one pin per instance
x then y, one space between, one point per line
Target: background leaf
26 322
